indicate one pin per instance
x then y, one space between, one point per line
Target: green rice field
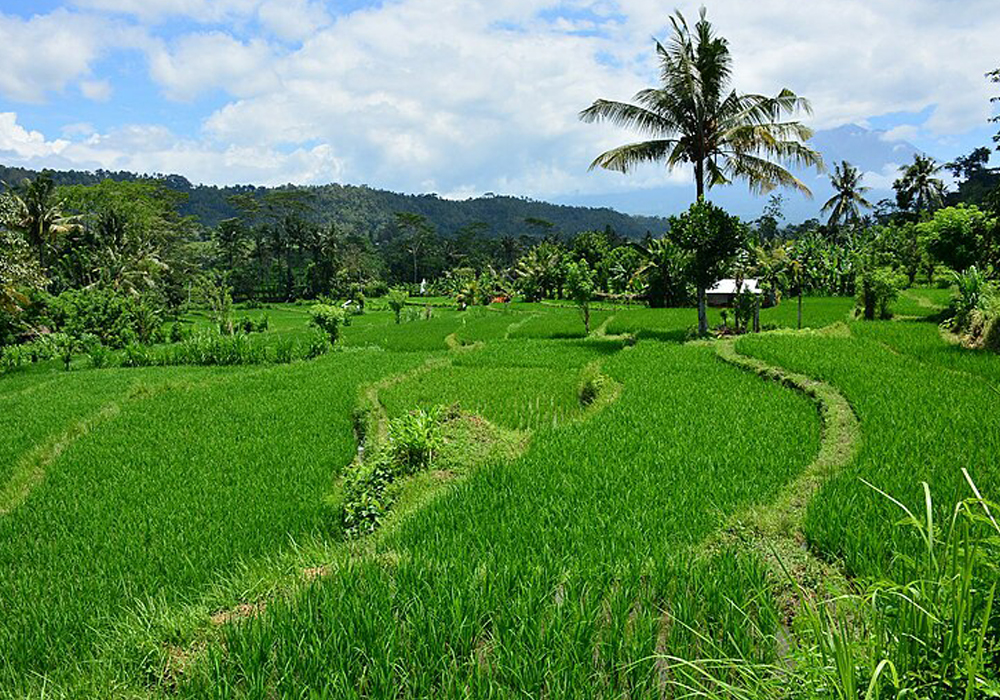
582 523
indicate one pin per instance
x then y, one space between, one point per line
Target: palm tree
38 215
846 204
694 117
919 189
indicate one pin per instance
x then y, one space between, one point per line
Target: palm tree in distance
38 214
695 117
920 189
846 204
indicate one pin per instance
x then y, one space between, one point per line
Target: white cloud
212 60
464 97
292 20
24 145
97 90
47 52
903 132
156 10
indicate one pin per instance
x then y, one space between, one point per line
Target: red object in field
502 299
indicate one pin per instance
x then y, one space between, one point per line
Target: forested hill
363 208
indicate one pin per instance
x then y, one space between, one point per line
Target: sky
454 97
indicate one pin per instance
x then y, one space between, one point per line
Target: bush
317 345
975 292
414 439
876 290
176 332
99 355
397 300
116 318
366 497
328 319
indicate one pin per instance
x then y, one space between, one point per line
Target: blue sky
447 96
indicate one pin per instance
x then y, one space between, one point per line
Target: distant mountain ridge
365 209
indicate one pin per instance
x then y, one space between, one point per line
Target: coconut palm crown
849 195
919 188
695 117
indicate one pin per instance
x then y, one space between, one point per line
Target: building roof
728 286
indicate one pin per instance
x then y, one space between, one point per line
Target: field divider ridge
774 529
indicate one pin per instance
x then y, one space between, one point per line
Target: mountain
868 149
363 208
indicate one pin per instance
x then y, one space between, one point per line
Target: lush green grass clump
559 572
920 424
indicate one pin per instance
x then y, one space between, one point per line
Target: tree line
120 252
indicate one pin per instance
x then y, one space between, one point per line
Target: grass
179 486
920 424
549 573
179 531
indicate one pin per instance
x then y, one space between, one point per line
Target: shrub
414 439
116 318
328 319
176 332
397 300
318 344
263 323
98 354
579 287
366 497
876 290
974 293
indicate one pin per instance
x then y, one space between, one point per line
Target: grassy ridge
551 574
182 484
919 423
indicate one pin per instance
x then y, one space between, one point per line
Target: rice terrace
332 441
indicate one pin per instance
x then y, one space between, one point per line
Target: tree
665 271
712 238
994 77
19 272
846 204
579 287
693 117
919 189
418 234
328 319
770 218
38 214
961 237
397 298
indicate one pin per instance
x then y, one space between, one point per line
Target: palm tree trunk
702 312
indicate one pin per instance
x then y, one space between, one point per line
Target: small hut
724 292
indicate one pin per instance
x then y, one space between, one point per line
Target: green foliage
115 318
217 295
696 117
962 236
877 288
414 439
327 318
975 292
397 299
579 286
